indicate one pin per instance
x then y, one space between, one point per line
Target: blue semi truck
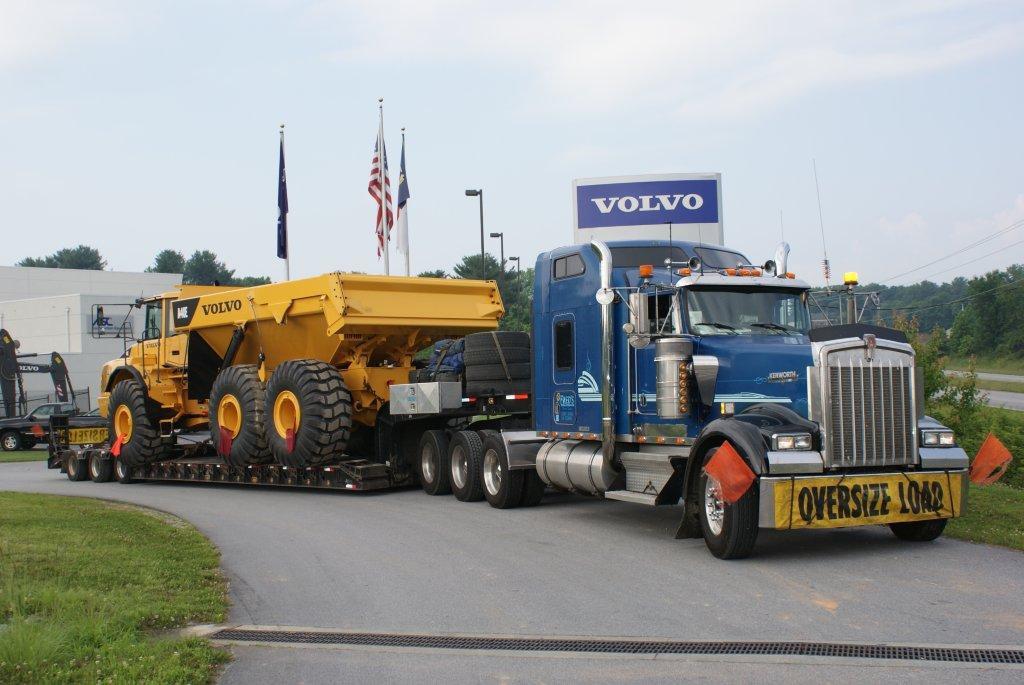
646 360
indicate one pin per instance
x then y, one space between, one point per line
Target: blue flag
403 207
282 207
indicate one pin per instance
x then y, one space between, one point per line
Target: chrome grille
871 412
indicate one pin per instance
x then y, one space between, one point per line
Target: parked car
25 432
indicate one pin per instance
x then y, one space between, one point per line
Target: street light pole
501 236
479 193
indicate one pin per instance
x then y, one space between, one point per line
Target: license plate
87 436
837 502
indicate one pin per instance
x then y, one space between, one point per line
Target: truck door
563 372
174 343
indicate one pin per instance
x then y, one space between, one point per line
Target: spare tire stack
497 363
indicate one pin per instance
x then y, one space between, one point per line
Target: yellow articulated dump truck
292 375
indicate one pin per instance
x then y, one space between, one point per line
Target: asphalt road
407 562
1000 398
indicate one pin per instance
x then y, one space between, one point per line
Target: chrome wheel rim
460 467
93 468
428 462
119 468
714 505
492 472
9 442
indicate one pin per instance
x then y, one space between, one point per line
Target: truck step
629 496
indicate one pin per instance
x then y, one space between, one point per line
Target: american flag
379 171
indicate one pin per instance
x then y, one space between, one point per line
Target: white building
55 310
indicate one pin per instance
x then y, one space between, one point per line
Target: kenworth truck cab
650 356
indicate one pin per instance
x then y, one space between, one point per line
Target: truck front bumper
861 499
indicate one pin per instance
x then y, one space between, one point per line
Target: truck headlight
937 438
791 441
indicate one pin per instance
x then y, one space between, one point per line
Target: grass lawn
988 364
995 515
23 455
84 584
1008 386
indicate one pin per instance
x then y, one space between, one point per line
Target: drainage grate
603 646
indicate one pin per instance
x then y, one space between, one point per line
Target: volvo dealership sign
644 207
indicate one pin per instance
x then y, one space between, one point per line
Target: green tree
469 267
203 268
168 262
79 257
516 288
248 281
436 273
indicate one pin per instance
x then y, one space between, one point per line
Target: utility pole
479 193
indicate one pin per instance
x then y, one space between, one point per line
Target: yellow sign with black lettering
837 502
87 436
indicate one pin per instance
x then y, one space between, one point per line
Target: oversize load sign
87 436
836 502
646 203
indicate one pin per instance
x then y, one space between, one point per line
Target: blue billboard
645 203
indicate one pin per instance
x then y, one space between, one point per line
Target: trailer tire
123 472
312 397
100 470
238 402
503 487
128 416
513 355
486 341
533 488
730 530
466 452
433 467
487 372
919 531
77 469
11 441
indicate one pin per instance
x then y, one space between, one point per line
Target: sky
136 126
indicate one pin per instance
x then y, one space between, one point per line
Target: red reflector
521 396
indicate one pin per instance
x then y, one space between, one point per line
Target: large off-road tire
503 487
919 531
77 468
128 417
466 453
485 341
11 441
238 404
310 398
488 372
432 464
123 473
533 488
101 470
730 530
513 355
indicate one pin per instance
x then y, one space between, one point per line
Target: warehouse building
82 314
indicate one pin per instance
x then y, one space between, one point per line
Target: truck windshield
746 311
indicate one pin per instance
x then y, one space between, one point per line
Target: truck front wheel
730 530
919 531
238 412
140 437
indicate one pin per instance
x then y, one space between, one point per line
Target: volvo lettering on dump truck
647 359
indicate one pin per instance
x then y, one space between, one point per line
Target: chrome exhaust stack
606 297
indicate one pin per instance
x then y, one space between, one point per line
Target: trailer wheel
503 487
919 531
100 470
123 472
76 468
128 418
308 398
466 453
730 530
238 405
533 488
11 441
433 466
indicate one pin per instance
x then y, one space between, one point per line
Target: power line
971 261
951 302
1014 226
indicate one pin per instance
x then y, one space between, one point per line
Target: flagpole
406 218
287 252
383 188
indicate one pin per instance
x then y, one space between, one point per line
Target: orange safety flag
731 472
991 462
224 446
37 430
115 449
